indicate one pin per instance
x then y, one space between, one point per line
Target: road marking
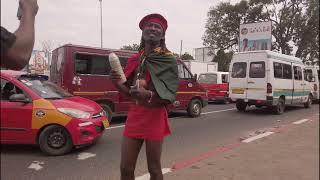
257 137
301 121
36 165
147 176
113 127
206 155
218 111
84 155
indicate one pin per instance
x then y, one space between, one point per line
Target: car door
238 80
257 79
15 116
298 85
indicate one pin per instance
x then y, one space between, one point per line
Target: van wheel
308 103
194 108
280 107
55 140
108 111
241 106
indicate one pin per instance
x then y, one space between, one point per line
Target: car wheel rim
56 139
196 108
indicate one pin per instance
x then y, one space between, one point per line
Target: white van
266 78
313 73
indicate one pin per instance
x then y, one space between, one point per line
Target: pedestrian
16 48
152 82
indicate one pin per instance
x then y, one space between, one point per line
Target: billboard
202 54
39 62
255 36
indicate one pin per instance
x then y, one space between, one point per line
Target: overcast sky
78 21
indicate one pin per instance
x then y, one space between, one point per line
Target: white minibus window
257 70
239 70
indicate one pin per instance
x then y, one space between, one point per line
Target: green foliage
133 47
187 56
293 21
223 59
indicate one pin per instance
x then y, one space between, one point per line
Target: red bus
84 71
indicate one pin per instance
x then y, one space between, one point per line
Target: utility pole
180 48
101 41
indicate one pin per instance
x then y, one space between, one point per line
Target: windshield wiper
53 98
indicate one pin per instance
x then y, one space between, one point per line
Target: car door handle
250 82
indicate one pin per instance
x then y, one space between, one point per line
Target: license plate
237 91
105 123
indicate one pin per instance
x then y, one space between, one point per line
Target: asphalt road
218 125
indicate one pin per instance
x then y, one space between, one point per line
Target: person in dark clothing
16 48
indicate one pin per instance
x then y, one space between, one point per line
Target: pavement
289 152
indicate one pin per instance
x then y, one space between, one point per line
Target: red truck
216 83
84 71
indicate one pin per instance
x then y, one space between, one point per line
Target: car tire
194 108
280 107
108 110
241 106
308 103
55 140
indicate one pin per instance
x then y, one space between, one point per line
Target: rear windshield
239 70
207 79
257 70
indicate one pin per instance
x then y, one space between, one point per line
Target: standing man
16 48
152 82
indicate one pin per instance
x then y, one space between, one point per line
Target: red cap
156 18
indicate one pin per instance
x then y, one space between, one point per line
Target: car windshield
207 79
45 89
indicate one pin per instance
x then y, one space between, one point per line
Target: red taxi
36 111
217 86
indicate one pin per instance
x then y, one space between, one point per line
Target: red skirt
147 123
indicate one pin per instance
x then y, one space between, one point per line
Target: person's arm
148 98
18 55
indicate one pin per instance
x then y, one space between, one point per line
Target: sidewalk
292 154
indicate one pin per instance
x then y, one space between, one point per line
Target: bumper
269 101
83 133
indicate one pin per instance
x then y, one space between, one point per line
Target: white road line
85 155
257 137
300 121
147 176
113 127
218 111
36 165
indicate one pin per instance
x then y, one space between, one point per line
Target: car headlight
75 113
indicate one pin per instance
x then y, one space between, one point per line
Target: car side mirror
19 98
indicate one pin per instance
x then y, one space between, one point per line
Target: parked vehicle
198 67
313 79
217 85
84 71
266 78
36 111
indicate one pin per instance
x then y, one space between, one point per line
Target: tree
295 22
187 56
223 59
133 47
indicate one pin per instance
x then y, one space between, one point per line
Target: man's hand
139 93
115 77
29 7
